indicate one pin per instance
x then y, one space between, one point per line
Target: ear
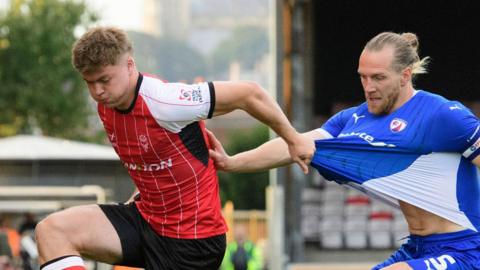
406 76
130 65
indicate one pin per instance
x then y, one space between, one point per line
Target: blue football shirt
421 154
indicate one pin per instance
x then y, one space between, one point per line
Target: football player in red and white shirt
157 130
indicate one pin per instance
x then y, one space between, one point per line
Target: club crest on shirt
398 125
143 142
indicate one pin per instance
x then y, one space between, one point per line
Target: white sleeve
325 133
175 105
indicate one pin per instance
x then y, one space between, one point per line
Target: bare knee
69 232
52 238
45 228
398 266
51 226
51 229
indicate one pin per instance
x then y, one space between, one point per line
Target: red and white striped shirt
161 140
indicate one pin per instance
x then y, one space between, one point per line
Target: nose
369 89
368 85
96 89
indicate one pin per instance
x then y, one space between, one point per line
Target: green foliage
39 87
246 45
170 59
245 190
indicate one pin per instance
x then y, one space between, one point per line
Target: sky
3 4
126 14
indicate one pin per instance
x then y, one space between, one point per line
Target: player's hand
217 153
301 151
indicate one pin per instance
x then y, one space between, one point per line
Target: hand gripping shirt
161 141
421 154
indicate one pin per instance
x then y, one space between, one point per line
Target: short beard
391 100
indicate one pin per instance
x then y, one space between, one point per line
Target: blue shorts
446 251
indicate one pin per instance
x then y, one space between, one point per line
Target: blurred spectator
28 224
242 254
9 244
5 250
261 244
12 235
28 247
198 79
5 263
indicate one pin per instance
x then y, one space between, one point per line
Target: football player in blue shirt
408 147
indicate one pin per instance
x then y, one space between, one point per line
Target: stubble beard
387 106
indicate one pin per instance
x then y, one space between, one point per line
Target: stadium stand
339 218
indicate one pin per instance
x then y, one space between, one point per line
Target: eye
104 80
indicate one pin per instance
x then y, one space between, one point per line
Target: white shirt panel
175 105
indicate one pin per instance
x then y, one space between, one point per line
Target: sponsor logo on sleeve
191 94
474 147
185 95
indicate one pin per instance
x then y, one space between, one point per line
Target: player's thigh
89 231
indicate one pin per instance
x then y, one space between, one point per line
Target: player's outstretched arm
252 98
271 154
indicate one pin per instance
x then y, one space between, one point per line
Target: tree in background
245 190
246 45
167 58
39 87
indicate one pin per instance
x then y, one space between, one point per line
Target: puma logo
454 107
356 116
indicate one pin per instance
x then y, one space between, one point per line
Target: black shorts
143 247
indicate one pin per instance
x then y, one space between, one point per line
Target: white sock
71 262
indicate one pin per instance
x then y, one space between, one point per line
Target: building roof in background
32 147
